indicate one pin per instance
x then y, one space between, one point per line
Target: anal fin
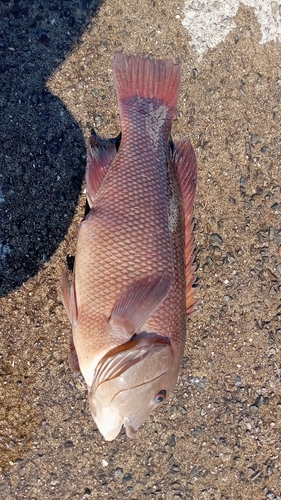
73 358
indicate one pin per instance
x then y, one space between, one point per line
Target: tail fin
136 76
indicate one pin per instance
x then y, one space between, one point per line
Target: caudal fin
145 78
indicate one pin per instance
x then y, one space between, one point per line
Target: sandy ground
219 436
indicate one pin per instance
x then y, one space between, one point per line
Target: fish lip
130 430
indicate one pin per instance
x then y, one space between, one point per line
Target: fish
133 283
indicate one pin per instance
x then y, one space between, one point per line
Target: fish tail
145 78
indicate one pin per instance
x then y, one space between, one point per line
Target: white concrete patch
209 21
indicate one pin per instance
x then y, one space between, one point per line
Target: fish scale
133 272
130 233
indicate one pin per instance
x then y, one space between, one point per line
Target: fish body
132 282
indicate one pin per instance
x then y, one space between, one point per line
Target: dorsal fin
185 162
100 154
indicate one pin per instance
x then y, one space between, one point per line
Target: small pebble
275 206
248 148
263 250
274 8
209 261
279 268
261 400
216 238
269 470
217 253
206 268
279 252
69 444
172 441
196 431
256 475
271 352
93 28
118 472
44 39
242 190
98 121
254 139
197 471
61 195
127 478
229 258
271 233
55 149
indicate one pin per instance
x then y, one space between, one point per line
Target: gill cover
130 382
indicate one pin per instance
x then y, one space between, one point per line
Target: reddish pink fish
132 286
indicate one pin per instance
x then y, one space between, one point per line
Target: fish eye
160 397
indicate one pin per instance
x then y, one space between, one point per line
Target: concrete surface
219 437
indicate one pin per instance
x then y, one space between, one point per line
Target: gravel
219 436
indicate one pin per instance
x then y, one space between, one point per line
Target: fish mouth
130 430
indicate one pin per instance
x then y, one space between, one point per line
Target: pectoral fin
68 297
116 363
137 302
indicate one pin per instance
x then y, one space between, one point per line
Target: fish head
130 382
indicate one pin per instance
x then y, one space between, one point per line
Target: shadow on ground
42 147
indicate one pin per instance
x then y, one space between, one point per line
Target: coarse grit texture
219 436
